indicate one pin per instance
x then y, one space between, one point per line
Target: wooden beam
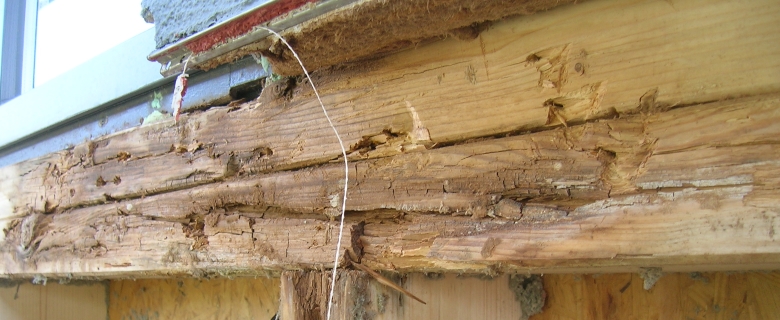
502 83
502 154
597 194
702 193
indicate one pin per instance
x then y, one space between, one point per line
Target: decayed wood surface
447 83
459 159
600 196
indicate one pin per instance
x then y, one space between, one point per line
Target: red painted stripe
244 25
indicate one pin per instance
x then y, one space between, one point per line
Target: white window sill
101 80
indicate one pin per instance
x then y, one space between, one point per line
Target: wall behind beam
745 295
720 295
27 301
194 299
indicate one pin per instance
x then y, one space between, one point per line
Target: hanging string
346 171
179 90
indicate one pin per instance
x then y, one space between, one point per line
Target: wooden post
305 294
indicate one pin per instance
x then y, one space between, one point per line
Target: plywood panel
193 299
21 302
747 295
744 295
53 301
359 296
449 296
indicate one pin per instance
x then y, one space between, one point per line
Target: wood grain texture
53 301
502 82
591 195
602 135
359 296
244 298
716 295
751 295
116 244
709 295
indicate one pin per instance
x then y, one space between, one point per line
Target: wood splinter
384 281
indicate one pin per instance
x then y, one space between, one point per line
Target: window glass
71 32
2 24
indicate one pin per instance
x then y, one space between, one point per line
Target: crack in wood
690 171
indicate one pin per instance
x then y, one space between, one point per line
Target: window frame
102 80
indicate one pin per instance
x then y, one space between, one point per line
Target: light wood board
53 301
245 298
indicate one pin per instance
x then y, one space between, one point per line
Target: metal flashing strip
179 48
172 56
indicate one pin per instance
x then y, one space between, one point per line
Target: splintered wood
581 139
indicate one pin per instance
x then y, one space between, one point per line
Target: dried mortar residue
650 276
529 291
174 21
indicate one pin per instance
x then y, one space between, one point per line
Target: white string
346 170
184 70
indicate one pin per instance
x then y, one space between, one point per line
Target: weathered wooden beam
591 58
685 178
703 195
644 190
117 244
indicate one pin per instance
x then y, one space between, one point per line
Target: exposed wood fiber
566 141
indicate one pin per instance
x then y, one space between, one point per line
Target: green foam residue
157 101
272 77
155 116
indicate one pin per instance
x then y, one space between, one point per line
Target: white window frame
30 31
115 73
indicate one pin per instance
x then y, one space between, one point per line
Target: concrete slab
175 20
